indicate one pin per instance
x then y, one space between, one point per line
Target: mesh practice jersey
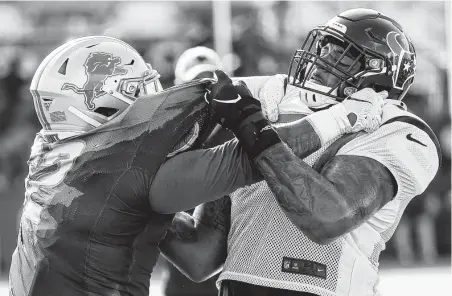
87 226
265 248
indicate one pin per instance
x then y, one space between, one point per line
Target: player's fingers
209 86
383 94
376 123
242 89
220 79
222 76
364 94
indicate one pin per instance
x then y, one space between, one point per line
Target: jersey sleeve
194 177
407 147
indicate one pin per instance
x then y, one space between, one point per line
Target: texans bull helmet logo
403 60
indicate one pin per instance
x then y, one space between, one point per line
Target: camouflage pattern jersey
87 227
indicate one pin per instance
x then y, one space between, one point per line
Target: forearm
309 133
301 192
300 136
194 177
199 176
202 252
328 204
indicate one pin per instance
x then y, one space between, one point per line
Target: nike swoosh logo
353 99
410 138
267 127
229 101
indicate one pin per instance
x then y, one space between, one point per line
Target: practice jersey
265 248
87 226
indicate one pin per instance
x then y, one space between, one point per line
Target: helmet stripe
83 116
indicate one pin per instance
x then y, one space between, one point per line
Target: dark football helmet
356 49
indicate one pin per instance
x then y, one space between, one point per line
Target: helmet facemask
147 84
330 67
129 89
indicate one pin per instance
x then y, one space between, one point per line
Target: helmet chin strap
311 98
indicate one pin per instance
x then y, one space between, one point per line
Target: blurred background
252 38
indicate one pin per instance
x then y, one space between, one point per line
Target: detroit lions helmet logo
402 58
98 67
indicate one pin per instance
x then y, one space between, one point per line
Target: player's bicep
365 184
409 150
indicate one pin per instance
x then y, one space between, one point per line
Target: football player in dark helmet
325 239
354 50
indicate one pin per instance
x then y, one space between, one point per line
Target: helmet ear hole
63 67
106 111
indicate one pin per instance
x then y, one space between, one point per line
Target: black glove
235 109
229 108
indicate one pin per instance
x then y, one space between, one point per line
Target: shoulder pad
410 118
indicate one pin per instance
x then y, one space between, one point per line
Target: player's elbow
320 236
197 272
204 268
196 275
323 238
317 229
201 275
197 278
193 270
324 232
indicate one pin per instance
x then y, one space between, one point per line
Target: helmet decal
98 67
335 25
402 58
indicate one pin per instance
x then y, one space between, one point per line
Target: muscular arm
351 188
191 178
327 204
300 136
202 254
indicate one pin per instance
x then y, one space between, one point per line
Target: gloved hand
361 111
230 108
235 109
271 95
